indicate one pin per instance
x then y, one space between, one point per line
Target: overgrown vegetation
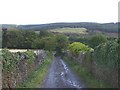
30 56
105 49
24 62
84 73
106 55
10 60
37 77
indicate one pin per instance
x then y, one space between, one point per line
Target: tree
44 33
27 39
50 43
19 39
13 38
97 40
61 43
38 43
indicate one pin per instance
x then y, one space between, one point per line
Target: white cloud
48 11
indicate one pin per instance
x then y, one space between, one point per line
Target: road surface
61 76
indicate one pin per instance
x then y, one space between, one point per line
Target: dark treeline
22 39
105 27
28 39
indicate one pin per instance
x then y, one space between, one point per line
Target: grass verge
90 81
36 78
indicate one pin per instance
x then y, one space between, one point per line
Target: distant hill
104 27
9 26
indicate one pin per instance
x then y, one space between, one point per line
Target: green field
70 30
80 31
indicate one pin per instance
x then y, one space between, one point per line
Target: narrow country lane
61 76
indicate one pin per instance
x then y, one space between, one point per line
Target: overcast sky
50 11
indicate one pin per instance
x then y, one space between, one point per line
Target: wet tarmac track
61 76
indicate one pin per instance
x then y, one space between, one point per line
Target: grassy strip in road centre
86 76
37 77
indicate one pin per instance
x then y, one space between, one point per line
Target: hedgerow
106 54
10 60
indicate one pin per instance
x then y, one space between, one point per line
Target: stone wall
105 74
10 79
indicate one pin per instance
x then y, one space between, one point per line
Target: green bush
78 47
